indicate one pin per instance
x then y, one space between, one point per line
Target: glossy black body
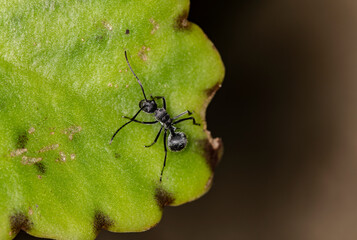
176 141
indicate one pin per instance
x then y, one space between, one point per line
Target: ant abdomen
177 142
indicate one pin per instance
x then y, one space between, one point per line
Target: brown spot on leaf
213 150
40 167
127 31
211 91
210 94
71 131
101 221
49 148
18 152
181 22
209 183
62 157
143 53
107 25
30 211
31 130
163 198
18 222
155 25
22 139
30 160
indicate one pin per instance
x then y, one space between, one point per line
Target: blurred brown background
287 114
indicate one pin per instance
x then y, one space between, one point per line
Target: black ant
177 141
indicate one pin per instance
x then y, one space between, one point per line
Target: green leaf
64 85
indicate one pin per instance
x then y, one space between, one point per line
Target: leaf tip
19 221
101 221
213 150
163 198
181 22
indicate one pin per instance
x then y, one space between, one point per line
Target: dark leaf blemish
163 198
127 31
101 221
18 222
213 151
211 91
181 22
22 140
41 167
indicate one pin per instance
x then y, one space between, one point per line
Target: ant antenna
135 75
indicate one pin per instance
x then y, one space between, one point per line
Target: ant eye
142 103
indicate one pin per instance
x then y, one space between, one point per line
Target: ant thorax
163 117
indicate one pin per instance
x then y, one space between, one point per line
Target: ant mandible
177 141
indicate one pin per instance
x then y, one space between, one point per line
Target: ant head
148 106
177 141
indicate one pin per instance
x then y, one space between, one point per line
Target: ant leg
184 119
132 119
165 154
157 137
181 114
141 121
163 101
